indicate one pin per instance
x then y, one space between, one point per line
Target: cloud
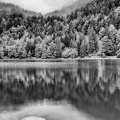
43 6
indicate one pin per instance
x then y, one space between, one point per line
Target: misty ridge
9 8
68 7
43 6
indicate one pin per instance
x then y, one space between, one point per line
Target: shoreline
61 59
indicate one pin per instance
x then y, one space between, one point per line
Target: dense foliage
76 35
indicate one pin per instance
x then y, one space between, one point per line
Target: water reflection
91 86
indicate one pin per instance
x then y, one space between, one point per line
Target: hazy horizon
43 6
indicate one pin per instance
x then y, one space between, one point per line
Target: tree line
92 30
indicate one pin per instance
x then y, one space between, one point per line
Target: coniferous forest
92 30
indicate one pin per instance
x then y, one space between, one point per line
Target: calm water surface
60 90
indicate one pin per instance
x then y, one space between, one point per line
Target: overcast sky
43 6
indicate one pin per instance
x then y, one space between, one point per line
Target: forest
92 30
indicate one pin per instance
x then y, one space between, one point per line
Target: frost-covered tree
112 33
108 46
38 50
52 48
102 33
70 53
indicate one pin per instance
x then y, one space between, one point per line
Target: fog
43 6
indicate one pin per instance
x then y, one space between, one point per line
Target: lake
60 90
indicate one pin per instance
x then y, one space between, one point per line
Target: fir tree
92 40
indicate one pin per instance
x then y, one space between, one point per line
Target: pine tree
1 53
58 48
84 48
38 51
85 27
118 37
52 48
29 54
24 54
80 38
108 46
92 40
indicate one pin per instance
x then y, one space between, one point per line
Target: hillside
91 30
70 8
8 8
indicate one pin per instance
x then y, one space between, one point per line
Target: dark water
62 90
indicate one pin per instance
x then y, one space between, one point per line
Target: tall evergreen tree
92 40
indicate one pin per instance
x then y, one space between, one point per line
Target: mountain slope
8 8
68 9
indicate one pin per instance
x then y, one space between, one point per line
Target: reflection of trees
92 82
